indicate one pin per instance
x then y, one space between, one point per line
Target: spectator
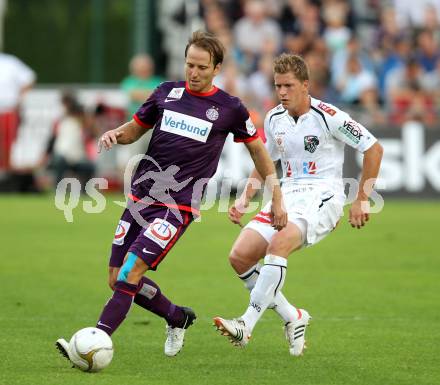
309 27
68 144
413 14
260 85
139 85
341 56
427 50
354 81
141 82
231 80
253 31
407 97
336 32
16 78
392 59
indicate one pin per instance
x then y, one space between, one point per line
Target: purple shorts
149 233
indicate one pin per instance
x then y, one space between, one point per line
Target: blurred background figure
138 86
354 80
16 78
69 152
407 97
255 33
140 83
359 53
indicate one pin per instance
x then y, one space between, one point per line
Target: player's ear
217 69
305 85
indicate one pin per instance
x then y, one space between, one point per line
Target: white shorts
316 211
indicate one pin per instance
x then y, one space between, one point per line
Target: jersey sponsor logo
160 232
121 232
250 128
185 125
326 108
212 113
309 168
175 94
351 130
311 142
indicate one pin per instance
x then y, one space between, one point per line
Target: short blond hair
291 63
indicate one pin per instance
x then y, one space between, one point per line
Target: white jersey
311 149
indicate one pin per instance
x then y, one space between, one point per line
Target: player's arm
237 210
125 134
359 211
266 169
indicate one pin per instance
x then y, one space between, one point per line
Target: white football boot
235 329
176 335
295 333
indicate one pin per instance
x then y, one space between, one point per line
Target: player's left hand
359 213
278 216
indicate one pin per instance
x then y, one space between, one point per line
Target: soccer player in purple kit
190 121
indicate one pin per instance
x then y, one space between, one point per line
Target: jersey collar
209 93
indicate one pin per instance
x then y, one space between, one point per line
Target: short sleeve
148 113
270 142
243 130
23 74
347 130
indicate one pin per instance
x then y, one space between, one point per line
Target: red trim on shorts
178 207
246 140
299 313
141 123
171 243
262 220
195 93
264 214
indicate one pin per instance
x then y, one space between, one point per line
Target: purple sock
117 307
151 298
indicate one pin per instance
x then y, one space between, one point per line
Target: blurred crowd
377 59
380 57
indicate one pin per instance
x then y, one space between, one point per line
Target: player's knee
238 260
111 282
112 277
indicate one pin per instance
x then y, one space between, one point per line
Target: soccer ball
91 349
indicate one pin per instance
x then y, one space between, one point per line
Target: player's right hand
108 139
236 211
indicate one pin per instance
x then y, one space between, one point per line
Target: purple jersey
190 129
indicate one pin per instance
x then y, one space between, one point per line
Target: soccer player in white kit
308 137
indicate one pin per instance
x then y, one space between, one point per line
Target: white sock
280 305
269 283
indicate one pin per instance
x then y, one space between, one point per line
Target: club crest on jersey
175 94
309 168
160 232
311 142
212 113
121 232
280 145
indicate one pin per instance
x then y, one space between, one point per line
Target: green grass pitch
374 295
